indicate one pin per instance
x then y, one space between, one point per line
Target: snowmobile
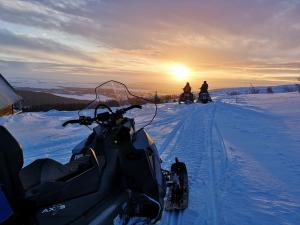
204 97
113 176
186 97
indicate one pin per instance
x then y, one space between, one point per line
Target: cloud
123 36
36 47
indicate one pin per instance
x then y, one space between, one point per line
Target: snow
89 97
77 96
242 154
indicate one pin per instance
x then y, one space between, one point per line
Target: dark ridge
34 101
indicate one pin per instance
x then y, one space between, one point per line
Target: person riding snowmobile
204 96
204 87
187 88
187 95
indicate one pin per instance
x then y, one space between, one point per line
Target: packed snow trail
191 141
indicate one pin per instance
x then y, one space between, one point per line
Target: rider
187 88
204 88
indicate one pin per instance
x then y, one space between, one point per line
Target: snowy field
242 154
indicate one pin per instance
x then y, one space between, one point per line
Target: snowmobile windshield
117 95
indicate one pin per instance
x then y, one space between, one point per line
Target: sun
180 71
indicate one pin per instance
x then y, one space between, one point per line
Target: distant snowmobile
186 98
113 175
204 97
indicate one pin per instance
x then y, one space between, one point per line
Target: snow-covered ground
242 154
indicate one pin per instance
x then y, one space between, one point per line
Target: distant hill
33 98
40 101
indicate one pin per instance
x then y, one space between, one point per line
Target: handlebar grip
124 110
70 121
134 106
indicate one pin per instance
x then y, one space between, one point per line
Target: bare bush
169 98
253 90
157 99
289 89
233 93
298 87
270 90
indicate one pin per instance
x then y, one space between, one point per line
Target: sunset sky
146 42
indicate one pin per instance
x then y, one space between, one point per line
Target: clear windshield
117 95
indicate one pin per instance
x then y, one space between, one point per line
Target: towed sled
186 98
113 176
204 97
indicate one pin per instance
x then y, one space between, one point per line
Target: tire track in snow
222 145
167 153
196 141
212 171
223 171
170 141
171 136
186 143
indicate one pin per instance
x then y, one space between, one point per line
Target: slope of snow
41 134
242 154
261 179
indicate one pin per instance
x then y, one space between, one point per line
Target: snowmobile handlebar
124 110
101 117
83 120
118 112
70 122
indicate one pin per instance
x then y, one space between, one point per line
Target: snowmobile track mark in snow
212 171
177 130
223 145
171 136
182 150
205 146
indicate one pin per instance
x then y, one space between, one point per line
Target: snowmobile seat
49 170
11 162
46 181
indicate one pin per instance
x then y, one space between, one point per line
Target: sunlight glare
180 71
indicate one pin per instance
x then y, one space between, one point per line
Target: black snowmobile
204 97
113 176
186 98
